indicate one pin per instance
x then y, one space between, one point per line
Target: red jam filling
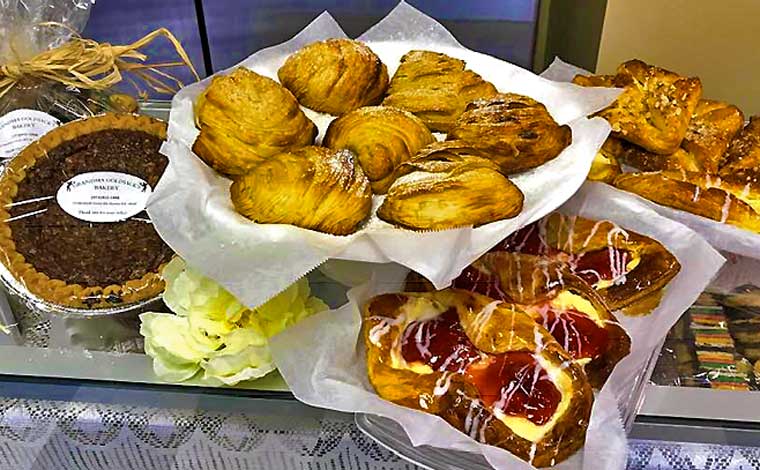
593 266
511 382
576 332
475 280
515 384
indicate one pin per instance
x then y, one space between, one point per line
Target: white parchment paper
323 358
722 236
192 211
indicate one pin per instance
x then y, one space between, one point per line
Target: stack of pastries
511 353
381 141
685 152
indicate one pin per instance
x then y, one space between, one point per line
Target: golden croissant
381 137
655 107
516 131
246 118
449 185
335 76
436 88
311 187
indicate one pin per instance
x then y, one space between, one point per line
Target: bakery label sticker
104 196
21 127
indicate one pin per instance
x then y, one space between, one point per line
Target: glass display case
80 391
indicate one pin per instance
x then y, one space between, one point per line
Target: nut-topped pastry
74 232
517 132
712 127
246 118
335 76
741 164
311 187
436 88
449 185
381 137
655 107
483 365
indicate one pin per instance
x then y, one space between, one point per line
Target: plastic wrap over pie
628 270
483 365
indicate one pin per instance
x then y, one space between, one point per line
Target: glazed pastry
482 365
312 187
606 165
712 127
517 132
64 258
741 164
381 138
699 194
563 303
436 88
655 107
245 119
630 271
335 76
449 185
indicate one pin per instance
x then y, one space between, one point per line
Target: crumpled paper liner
722 236
192 211
323 358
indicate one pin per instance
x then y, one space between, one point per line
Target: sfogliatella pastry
436 88
699 194
335 76
606 164
563 303
741 164
655 107
517 132
381 137
630 271
449 185
246 118
482 365
311 187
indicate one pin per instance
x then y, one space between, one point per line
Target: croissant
699 194
655 107
335 76
484 366
741 164
311 187
436 88
563 303
449 185
381 138
629 270
246 118
517 132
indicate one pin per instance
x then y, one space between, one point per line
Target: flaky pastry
517 132
482 365
311 187
381 137
629 270
655 107
741 164
244 119
560 301
436 88
335 76
699 194
606 165
712 127
449 185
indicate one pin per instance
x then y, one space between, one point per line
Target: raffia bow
84 63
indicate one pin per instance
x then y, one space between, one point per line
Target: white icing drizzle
383 327
696 193
725 208
528 233
618 258
745 191
591 234
484 316
442 384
